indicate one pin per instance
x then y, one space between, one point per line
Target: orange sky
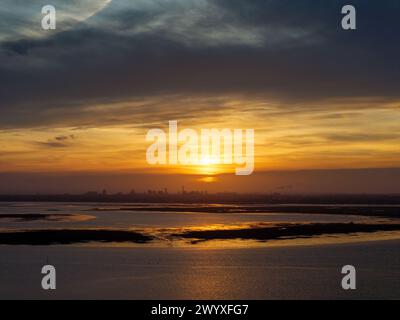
328 135
80 99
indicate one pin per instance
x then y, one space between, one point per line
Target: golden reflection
209 179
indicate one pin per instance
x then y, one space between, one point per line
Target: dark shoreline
260 232
286 231
373 211
63 237
37 216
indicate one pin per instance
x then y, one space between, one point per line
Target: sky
76 102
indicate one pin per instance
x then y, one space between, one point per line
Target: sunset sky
76 103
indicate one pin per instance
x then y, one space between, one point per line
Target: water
311 272
110 271
110 217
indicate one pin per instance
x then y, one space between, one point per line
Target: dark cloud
52 144
352 137
62 141
288 50
64 138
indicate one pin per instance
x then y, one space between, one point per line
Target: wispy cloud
22 19
61 141
292 52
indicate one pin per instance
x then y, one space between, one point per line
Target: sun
208 166
208 161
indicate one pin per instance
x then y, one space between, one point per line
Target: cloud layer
291 51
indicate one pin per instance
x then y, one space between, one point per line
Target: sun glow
207 170
208 161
